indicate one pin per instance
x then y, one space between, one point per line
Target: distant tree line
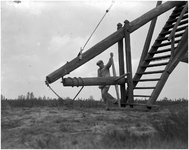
28 96
29 100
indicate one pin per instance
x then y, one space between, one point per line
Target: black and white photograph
88 74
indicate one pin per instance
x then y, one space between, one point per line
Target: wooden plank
185 58
142 96
160 51
92 81
116 86
109 41
151 72
155 65
144 88
148 38
146 80
152 14
172 25
121 66
177 30
139 104
165 44
128 62
158 58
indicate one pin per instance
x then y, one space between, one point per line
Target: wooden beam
148 38
116 86
121 66
137 23
128 62
93 81
185 58
139 104
109 41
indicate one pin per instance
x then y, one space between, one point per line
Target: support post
128 62
148 38
121 66
116 86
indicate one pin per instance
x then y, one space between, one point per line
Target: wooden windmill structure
170 48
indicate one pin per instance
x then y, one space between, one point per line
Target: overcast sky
39 37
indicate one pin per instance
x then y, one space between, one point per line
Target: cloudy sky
39 37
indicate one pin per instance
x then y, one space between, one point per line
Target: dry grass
51 125
171 133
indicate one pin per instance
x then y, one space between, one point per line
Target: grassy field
55 124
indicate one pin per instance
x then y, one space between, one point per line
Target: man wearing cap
104 71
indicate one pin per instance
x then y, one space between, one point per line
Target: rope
53 91
78 93
96 28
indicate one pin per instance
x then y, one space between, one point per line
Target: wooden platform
138 104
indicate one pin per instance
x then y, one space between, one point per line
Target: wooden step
144 88
178 34
166 38
154 65
175 19
141 96
151 72
147 80
176 14
160 51
177 30
158 58
172 25
165 44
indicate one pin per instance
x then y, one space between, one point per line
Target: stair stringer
181 50
152 49
166 72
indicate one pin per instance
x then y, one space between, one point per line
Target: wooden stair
153 67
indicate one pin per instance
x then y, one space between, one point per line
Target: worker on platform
104 71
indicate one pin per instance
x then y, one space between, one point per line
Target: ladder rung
144 80
166 38
160 51
158 58
155 65
175 19
172 25
141 96
179 34
177 30
144 88
151 72
176 14
162 39
165 44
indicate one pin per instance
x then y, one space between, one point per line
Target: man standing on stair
104 71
